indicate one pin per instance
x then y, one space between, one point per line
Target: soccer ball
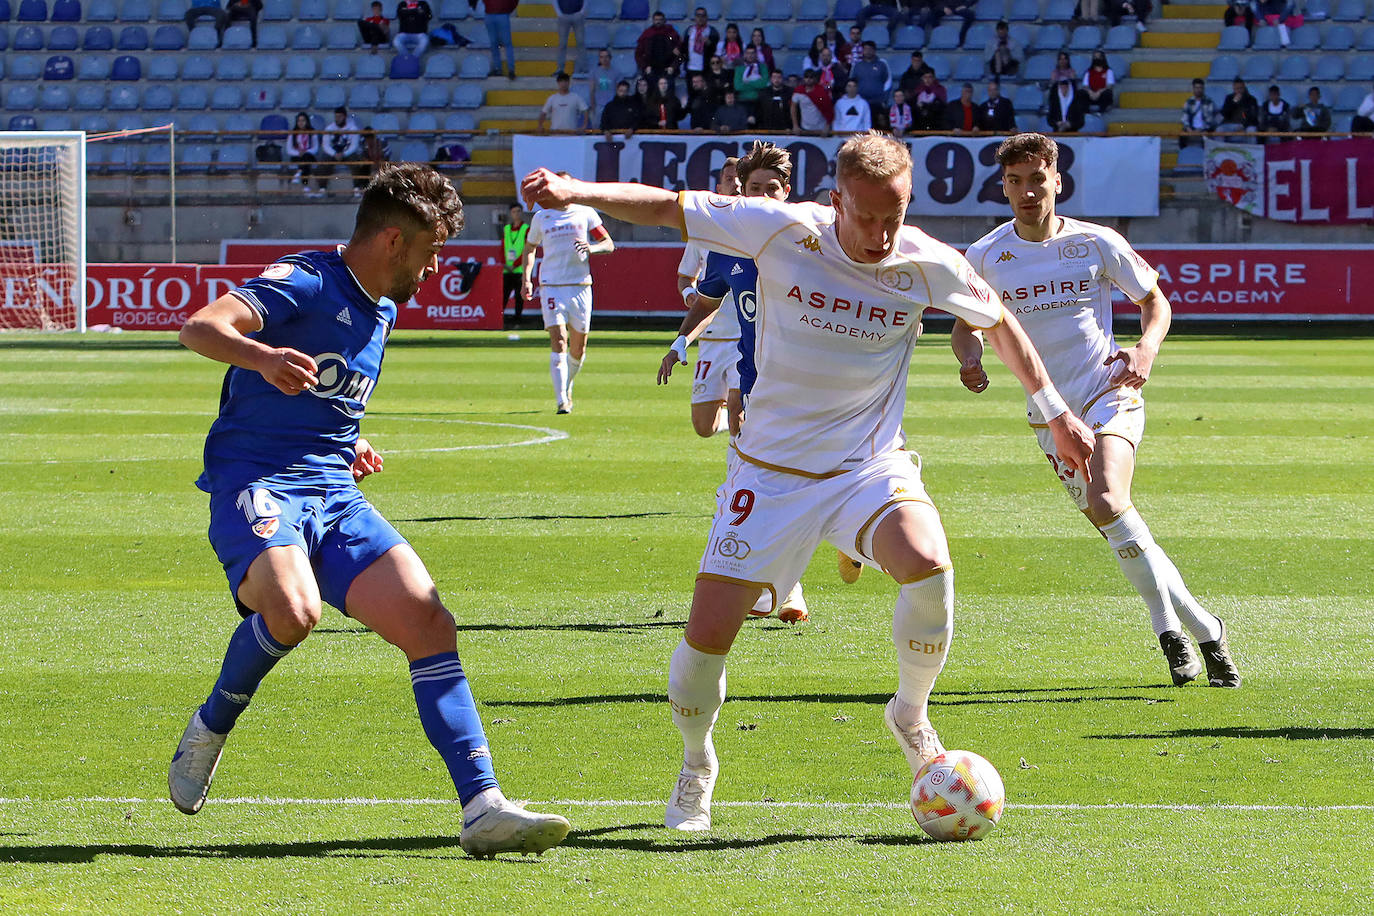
958 796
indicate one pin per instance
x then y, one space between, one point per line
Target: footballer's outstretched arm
633 203
1072 437
220 331
1155 317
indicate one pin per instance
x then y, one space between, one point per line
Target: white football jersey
834 337
1061 292
725 324
557 231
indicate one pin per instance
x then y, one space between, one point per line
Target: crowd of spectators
1240 112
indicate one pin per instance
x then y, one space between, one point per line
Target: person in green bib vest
513 270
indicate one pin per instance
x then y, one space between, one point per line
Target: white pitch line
647 803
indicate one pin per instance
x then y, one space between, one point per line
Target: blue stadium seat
876 32
440 67
126 68
226 98
1038 68
132 38
1094 124
1023 11
136 11
1028 97
295 96
413 151
432 95
1022 33
98 38
6 13
271 38
169 38
1306 38
55 98
59 68
195 157
1120 37
776 11
1189 159
847 10
32 11
626 37
990 10
423 120
158 98
28 38
474 67
237 38
1317 10
1257 68
978 36
198 67
301 67
23 67
370 67
738 11
467 95
1338 38
157 156
329 97
93 67
1348 11
95 123
967 69
23 122
231 68
66 11
674 10
1050 38
335 67
21 98
1366 40
1085 38
1266 38
273 128
240 123
939 63
598 35
57 122
1328 69
405 67
1060 10
341 37
101 11
1360 68
62 38
162 68
277 11
123 98
813 11
386 123
348 10
478 40
906 38
1224 69
312 10
400 97
944 37
89 98
1293 67
1348 98
202 38
455 10
172 10
265 68
306 38
364 96
634 10
460 124
261 97
801 38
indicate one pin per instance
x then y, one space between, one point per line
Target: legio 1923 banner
953 176
1298 181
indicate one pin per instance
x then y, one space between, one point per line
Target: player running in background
287 519
716 373
569 236
821 452
1057 274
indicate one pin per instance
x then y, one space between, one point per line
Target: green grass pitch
566 548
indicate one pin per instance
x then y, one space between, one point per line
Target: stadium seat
329 97
27 38
62 38
944 37
92 67
59 68
271 38
295 96
1224 69
674 10
399 97
66 11
1038 68
273 128
240 123
341 37
98 38
1366 40
93 123
265 68
231 68
101 11
1306 38
172 10
876 32
364 96
1257 68
136 11
226 98
23 122
260 97
55 98
1292 68
1023 11
335 67
306 38
158 98
467 95
776 11
801 39
990 10
313 10
1094 124
1348 11
405 67
1060 10
941 64
474 67
740 11
1022 33
1189 159
301 67
1234 38
440 67
57 122
455 10
847 10
1050 38
813 11
386 123
1360 68
162 69
1317 10
21 98
126 68
123 98
1266 38
169 38
202 38
1085 38
968 68
237 38
1349 97
156 157
23 67
278 11
195 157
906 38
412 151
1028 97
132 38
348 10
423 120
626 37
1328 69
89 98
369 67
198 67
1338 38
1120 38
634 10
32 11
460 124
432 95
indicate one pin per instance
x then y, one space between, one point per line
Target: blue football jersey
310 302
738 275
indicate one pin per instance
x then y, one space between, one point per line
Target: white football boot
507 827
689 808
920 744
193 765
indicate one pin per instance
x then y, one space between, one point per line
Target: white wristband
688 291
680 348
1049 403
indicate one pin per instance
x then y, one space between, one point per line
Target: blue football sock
449 716
251 654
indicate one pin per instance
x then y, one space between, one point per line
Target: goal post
43 230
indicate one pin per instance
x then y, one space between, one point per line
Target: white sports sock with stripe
1145 567
696 691
574 367
922 627
558 371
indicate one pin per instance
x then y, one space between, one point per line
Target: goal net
43 230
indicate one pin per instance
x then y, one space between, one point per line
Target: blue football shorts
334 524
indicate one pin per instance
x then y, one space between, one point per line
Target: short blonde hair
872 155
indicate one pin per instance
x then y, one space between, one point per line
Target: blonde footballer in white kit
1056 274
841 291
569 236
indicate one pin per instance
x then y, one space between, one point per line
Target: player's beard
405 284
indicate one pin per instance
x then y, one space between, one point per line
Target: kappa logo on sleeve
278 271
1005 256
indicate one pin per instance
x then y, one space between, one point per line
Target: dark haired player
304 341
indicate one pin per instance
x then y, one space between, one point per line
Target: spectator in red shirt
375 28
659 50
813 107
961 115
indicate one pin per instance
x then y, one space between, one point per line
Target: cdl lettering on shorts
336 382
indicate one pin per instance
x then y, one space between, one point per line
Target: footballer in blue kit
727 274
282 460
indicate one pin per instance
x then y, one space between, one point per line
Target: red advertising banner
1297 181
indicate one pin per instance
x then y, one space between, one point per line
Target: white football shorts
1117 412
769 523
717 370
567 305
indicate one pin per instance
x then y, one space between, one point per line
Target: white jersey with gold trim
834 337
558 231
1061 292
725 324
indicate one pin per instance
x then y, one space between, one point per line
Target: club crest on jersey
720 202
278 271
337 381
266 527
1005 256
748 305
896 278
1073 251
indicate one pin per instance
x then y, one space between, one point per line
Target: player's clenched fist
973 376
289 370
546 189
366 459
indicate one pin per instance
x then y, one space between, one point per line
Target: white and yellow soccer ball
958 796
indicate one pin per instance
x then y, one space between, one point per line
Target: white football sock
696 690
1145 567
574 367
922 626
558 371
1204 625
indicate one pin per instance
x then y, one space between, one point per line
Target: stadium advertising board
1298 181
955 176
